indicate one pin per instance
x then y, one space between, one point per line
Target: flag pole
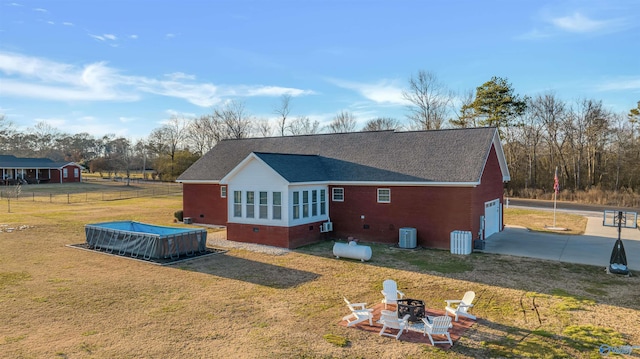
556 187
555 196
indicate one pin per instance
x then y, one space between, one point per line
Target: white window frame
305 204
223 191
250 197
314 203
295 201
65 173
323 202
263 206
76 172
381 197
276 212
237 204
337 197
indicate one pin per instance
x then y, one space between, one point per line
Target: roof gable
253 169
451 156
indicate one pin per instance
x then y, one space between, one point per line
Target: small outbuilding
294 190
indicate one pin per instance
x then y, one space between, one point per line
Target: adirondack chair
390 292
438 326
461 307
390 320
358 313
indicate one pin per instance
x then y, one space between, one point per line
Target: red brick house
280 190
14 170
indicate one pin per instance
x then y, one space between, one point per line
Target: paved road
589 210
593 248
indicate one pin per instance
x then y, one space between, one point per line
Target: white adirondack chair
438 326
390 320
390 292
461 307
358 313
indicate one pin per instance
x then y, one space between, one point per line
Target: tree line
590 146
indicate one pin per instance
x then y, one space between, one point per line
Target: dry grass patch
540 220
61 302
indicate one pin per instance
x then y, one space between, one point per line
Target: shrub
178 215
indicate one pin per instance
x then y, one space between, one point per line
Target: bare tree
381 124
263 128
7 130
121 156
169 138
430 100
597 121
466 118
621 136
203 133
343 122
303 126
283 112
176 132
45 137
141 149
545 110
234 120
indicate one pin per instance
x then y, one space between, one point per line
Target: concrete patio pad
593 248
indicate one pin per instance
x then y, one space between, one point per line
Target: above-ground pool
145 240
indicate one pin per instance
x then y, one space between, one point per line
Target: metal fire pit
413 307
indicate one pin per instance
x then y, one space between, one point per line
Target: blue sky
124 67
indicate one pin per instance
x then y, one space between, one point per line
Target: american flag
556 184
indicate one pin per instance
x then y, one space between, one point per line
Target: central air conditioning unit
326 227
408 238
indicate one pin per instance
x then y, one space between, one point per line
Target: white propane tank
352 250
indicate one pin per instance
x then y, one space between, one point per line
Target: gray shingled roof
452 155
10 161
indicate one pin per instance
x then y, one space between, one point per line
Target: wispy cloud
272 91
38 9
126 119
381 92
174 113
622 84
133 36
104 37
204 95
551 23
32 77
170 36
66 23
577 22
179 76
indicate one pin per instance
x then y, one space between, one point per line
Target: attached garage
492 217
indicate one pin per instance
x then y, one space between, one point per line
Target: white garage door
491 217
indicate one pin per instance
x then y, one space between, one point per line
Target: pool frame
145 241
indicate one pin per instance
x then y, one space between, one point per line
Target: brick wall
284 237
202 202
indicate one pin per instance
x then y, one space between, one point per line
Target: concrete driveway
594 247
